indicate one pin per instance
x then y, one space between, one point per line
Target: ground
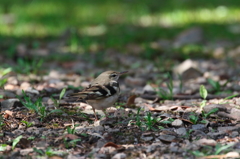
179 99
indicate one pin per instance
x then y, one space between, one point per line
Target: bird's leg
96 118
104 111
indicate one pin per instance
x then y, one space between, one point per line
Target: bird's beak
120 73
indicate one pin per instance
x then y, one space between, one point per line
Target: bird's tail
80 95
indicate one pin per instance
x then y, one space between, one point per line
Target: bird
102 92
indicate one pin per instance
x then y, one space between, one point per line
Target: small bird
103 91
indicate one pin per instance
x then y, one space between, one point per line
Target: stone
134 81
71 156
234 113
221 107
167 138
25 85
18 132
181 131
100 156
206 142
228 128
234 134
179 69
232 155
8 104
98 129
198 126
8 94
119 156
191 73
189 36
177 123
149 89
25 152
151 148
32 91
12 80
198 134
147 138
187 69
101 143
33 131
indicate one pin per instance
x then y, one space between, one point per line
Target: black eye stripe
113 75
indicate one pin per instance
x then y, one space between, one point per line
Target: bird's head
108 76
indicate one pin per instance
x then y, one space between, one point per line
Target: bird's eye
113 75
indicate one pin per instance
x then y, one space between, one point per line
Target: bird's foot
105 118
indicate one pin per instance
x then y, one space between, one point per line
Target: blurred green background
88 26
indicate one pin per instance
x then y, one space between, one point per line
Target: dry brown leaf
67 124
185 120
177 107
152 109
55 157
184 107
130 101
9 113
68 64
71 136
111 144
24 143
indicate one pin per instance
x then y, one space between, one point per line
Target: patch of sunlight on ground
94 30
52 18
219 15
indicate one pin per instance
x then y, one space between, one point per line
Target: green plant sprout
168 121
166 95
209 150
138 119
15 141
71 143
48 152
216 86
181 83
28 124
145 123
37 106
1 122
193 119
206 115
203 93
230 97
31 138
27 67
150 121
75 88
57 102
3 147
3 73
188 133
71 130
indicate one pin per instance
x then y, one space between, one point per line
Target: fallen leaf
55 157
188 121
152 109
68 64
24 143
208 142
111 144
178 107
9 113
130 101
71 136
